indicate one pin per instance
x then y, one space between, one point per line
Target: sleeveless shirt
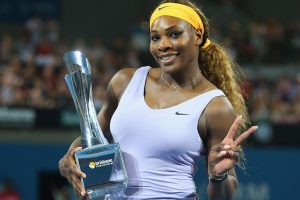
160 146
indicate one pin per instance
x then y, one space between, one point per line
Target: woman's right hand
69 169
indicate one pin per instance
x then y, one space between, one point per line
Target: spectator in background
8 192
7 49
275 41
35 26
52 31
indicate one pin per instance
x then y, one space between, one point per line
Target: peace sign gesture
223 156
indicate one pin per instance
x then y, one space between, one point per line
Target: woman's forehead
166 22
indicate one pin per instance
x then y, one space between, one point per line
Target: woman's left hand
225 155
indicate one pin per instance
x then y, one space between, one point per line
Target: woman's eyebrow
167 29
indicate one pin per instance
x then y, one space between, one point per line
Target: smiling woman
165 119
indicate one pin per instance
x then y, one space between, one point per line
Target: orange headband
180 11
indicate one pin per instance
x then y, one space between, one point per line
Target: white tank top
161 146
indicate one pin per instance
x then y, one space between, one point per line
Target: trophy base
105 170
115 191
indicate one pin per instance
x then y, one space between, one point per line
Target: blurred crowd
276 101
264 42
32 70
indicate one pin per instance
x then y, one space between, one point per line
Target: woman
166 118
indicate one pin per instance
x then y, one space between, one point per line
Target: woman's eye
154 38
175 34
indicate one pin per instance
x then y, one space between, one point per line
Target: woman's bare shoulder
219 108
121 79
217 118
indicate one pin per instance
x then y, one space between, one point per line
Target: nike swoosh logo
178 113
162 7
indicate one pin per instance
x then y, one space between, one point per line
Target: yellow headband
180 11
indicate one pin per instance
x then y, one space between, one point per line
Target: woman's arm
223 147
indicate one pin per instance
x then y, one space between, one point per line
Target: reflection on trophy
101 162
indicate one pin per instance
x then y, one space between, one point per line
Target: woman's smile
168 58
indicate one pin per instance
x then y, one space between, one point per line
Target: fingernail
226 146
241 116
256 127
83 175
82 193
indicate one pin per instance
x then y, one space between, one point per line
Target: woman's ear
199 37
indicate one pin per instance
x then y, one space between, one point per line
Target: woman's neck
184 78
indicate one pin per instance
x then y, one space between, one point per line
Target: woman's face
174 43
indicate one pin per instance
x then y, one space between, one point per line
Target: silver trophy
102 162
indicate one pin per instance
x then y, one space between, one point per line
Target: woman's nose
164 44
